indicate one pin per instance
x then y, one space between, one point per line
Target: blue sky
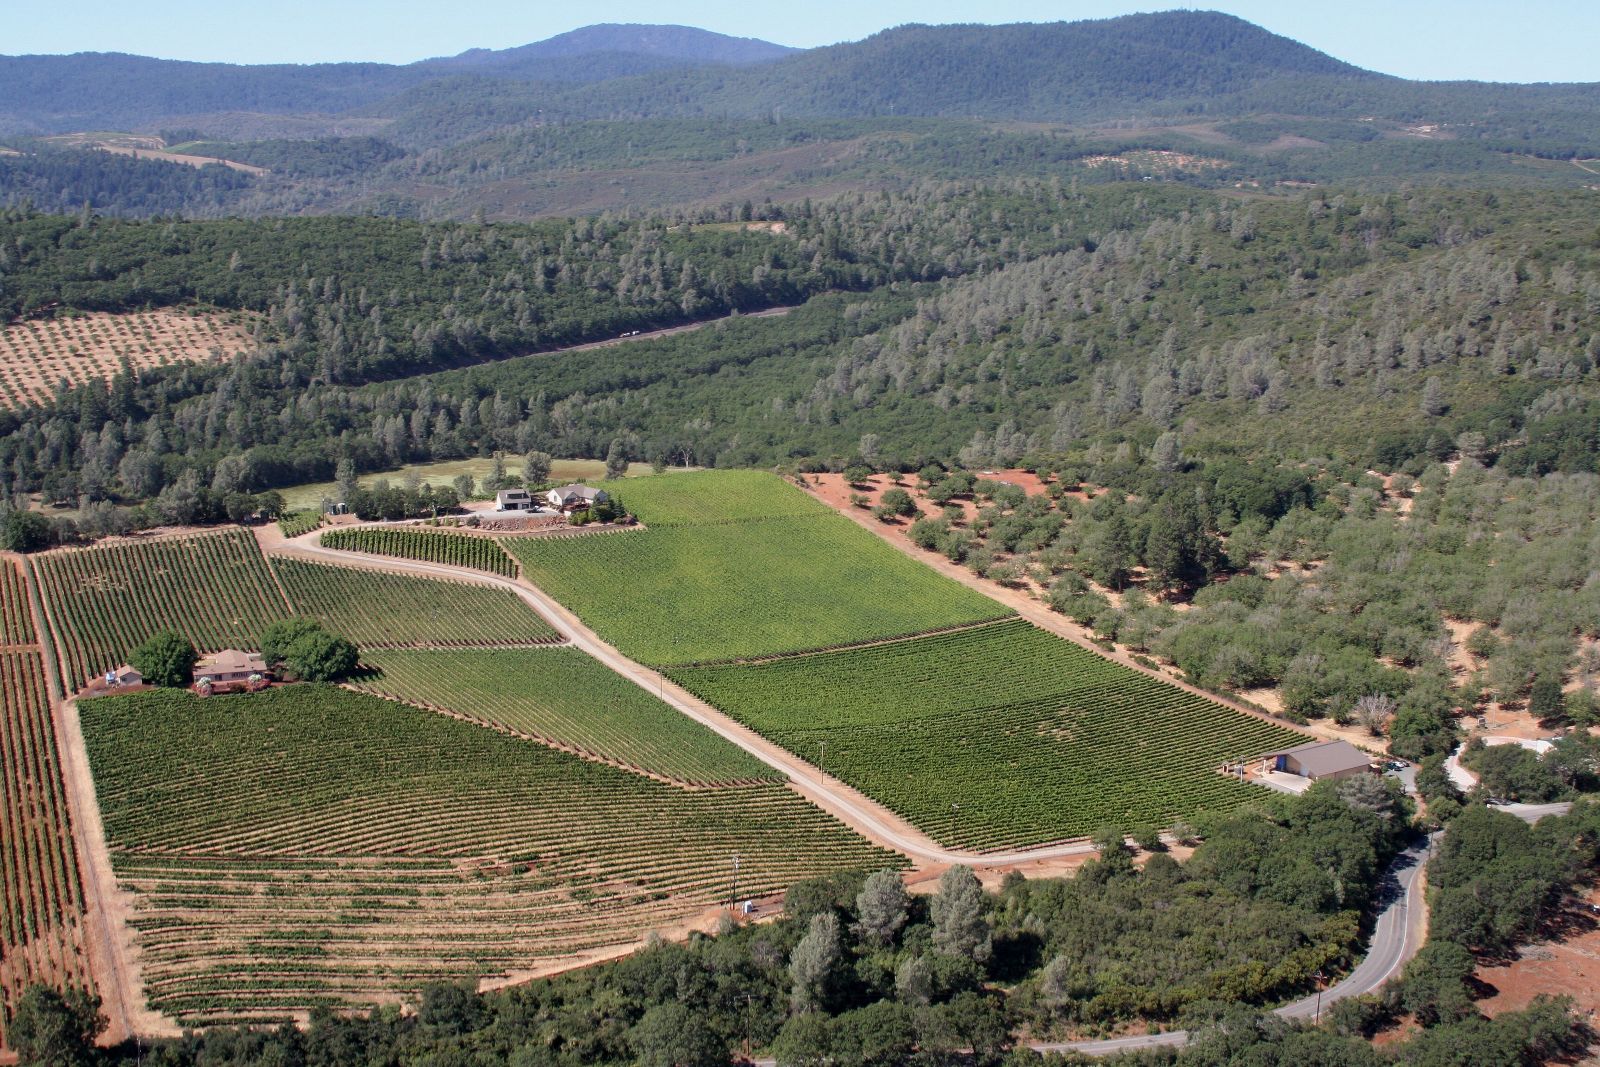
1532 40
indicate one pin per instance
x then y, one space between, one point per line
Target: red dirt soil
1568 964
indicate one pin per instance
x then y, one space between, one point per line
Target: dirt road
651 335
866 816
1037 613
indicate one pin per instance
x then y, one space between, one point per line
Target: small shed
1320 759
576 497
123 675
513 500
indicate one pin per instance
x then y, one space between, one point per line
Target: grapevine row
997 736
433 546
566 696
379 610
41 898
213 588
312 845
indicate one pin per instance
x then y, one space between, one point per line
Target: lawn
741 564
998 736
445 471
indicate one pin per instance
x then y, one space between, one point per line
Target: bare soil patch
1567 964
37 355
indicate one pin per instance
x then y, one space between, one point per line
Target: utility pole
748 998
1317 1018
734 902
822 760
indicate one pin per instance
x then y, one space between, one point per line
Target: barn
1320 759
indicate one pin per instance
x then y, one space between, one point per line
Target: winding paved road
1397 933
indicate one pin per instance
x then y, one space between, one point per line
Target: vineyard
214 588
41 899
311 846
379 610
998 736
457 550
566 697
297 523
734 586
16 623
699 498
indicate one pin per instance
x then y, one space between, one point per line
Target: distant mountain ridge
95 90
684 44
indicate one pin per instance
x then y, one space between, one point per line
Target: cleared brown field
36 356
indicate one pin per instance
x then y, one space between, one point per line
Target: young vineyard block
567 697
335 848
998 736
740 583
379 610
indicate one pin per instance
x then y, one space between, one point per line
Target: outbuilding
123 675
513 500
1320 759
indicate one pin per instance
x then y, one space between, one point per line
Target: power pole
822 760
734 902
748 998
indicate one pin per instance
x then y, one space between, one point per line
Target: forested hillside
659 117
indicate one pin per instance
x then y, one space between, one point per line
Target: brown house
1320 759
229 669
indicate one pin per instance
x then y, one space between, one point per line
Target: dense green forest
1224 369
859 972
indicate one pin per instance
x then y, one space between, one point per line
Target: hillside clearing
36 356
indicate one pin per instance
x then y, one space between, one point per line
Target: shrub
166 659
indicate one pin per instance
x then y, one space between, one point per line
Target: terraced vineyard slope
738 564
432 546
566 697
998 736
379 610
310 846
214 588
41 898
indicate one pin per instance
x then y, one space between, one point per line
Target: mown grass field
310 846
739 564
565 696
999 736
379 610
